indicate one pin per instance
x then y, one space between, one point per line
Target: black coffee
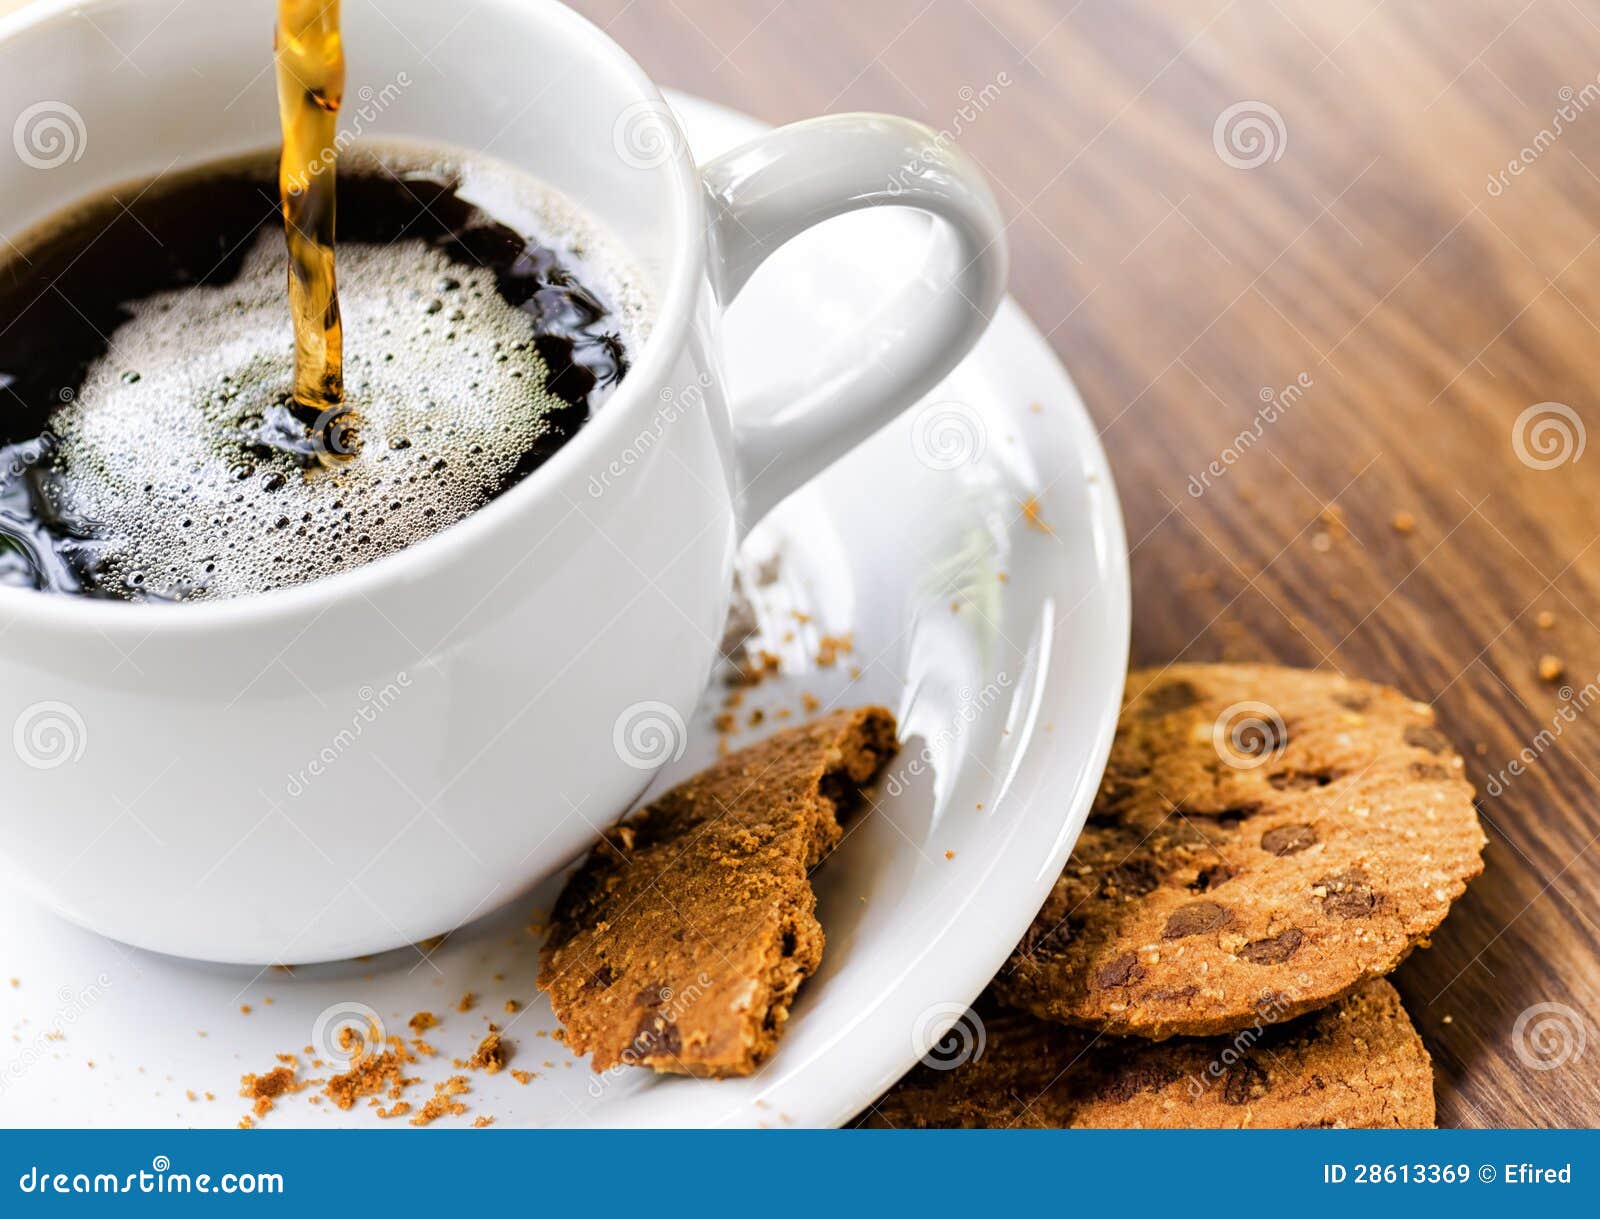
149 448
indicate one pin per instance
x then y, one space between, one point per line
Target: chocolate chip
1196 919
1274 950
1131 878
1352 701
1283 840
1209 878
601 978
1051 942
1228 816
1173 993
1244 1083
1164 700
1123 970
1133 1079
1299 781
1273 739
1427 738
1121 781
1429 772
1349 894
655 1036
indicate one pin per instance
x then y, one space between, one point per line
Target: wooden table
1412 296
1372 260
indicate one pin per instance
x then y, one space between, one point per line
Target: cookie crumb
1031 515
370 1074
830 647
1403 523
1546 620
439 1104
755 669
421 1022
1550 668
490 1055
266 1088
467 1002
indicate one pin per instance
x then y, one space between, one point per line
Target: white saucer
1001 646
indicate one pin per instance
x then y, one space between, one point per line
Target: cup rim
670 321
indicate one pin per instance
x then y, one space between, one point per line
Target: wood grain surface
1420 305
1422 300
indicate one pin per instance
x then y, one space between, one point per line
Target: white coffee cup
364 761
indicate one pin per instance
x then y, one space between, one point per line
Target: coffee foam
441 376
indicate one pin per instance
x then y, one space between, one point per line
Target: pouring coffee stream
309 55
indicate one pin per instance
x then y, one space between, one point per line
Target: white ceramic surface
412 741
881 546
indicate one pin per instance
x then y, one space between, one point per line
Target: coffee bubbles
169 446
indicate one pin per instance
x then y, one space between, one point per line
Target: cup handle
775 187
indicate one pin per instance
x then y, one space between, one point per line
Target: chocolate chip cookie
1358 1063
681 941
1263 840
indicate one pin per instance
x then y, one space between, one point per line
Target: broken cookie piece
680 943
